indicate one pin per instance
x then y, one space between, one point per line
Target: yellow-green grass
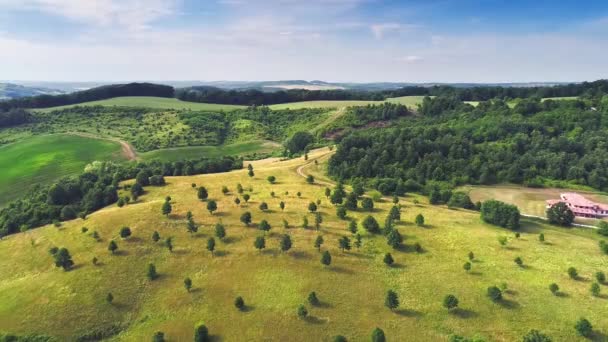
531 201
150 102
410 101
43 159
37 297
197 152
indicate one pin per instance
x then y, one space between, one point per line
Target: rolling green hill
149 102
36 297
410 101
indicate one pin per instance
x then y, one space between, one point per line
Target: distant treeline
95 94
96 188
14 117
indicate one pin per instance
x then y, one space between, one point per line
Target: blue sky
333 40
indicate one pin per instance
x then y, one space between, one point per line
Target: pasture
149 102
37 297
196 152
43 159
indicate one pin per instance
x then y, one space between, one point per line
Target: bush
341 213
536 336
494 293
371 225
239 303
302 312
367 204
271 179
560 214
572 273
378 335
419 220
554 288
500 214
157 180
312 299
388 259
450 302
583 327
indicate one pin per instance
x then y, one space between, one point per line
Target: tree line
96 188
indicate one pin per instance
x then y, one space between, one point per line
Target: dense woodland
453 143
96 188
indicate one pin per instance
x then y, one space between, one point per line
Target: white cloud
410 59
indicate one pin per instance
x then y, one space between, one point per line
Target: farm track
128 151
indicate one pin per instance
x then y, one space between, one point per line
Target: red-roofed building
581 206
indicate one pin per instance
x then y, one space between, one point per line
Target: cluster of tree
479 93
14 117
565 141
99 93
356 117
96 188
500 214
26 338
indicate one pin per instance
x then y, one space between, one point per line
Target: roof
576 199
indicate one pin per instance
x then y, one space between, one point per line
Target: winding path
127 150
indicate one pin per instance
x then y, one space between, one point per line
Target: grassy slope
43 159
36 297
195 152
410 101
150 102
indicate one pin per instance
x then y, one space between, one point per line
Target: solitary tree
344 243
220 231
151 273
312 207
201 334
471 256
319 242
536 336
250 173
392 300
388 259
169 244
519 261
211 207
265 226
310 179
318 220
341 212
285 243
541 237
304 222
112 247
246 218
595 289
246 197
326 258
494 293
371 225
259 243
450 302
237 201
572 273
312 299
302 312
271 179
109 298
239 303
63 259
125 232
188 284
282 205
159 336
191 226
166 209
351 201
378 335
584 327
600 277
211 245
419 220
560 214
327 192
367 204
394 238
467 266
554 288
395 213
352 226
358 240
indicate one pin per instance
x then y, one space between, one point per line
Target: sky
331 40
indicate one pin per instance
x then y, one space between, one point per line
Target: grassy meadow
410 101
36 297
149 102
196 152
43 159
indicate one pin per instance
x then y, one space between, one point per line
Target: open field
410 101
149 102
195 152
43 159
530 201
37 297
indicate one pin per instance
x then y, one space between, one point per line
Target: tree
188 284
312 299
352 226
220 231
371 225
259 243
155 236
554 288
388 259
159 336
63 259
395 200
583 327
305 222
237 201
285 243
494 293
326 258
169 244
112 247
318 220
211 245
299 141
312 207
600 277
225 190
263 206
191 226
378 335
271 179
450 302
536 336
166 209
211 207
327 192
595 289
500 214
395 213
264 226
142 178
246 197
471 256
299 194
310 179
285 224
519 261
367 204
341 213
136 191
125 232
358 240
344 243
246 218
94 261
419 220
351 202
541 237
572 273
250 173
151 273
239 303
319 242
201 334
392 300
282 205
109 298
560 214
302 312
394 239
467 266
502 240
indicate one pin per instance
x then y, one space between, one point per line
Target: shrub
600 277
263 206
519 261
341 213
388 259
536 336
572 273
125 232
392 300
371 225
500 214
560 214
271 179
201 334
595 289
450 302
367 204
157 180
239 303
467 266
378 335
302 312
554 288
419 220
312 299
494 293
583 327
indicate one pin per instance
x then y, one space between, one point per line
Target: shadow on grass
598 336
120 252
196 290
464 313
314 320
180 251
408 313
339 269
215 338
397 266
220 254
511 292
324 305
247 308
300 255
221 214
562 294
476 273
231 239
133 239
509 304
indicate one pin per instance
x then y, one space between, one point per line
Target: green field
410 101
196 152
150 102
43 159
36 297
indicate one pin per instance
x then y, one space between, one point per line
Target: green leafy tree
327 192
63 259
220 231
394 239
159 336
302 312
299 194
352 226
259 243
388 259
326 258
109 298
282 205
378 335
341 212
536 336
371 225
541 237
285 243
239 303
246 197
166 209
344 243
169 244
151 272
351 202
312 299
471 256
367 204
264 226
271 179
467 266
201 334
450 302
358 240
319 242
318 220
560 214
225 190
519 261
246 218
391 300
554 288
191 226
494 293
285 224
312 207
419 220
155 236
188 284
263 206
112 247
250 173
395 213
600 277
310 179
584 328
211 207
237 201
211 245
304 222
572 273
595 289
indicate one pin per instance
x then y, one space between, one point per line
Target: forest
453 143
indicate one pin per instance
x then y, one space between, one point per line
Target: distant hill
13 91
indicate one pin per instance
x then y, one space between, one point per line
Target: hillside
13 91
148 102
36 297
